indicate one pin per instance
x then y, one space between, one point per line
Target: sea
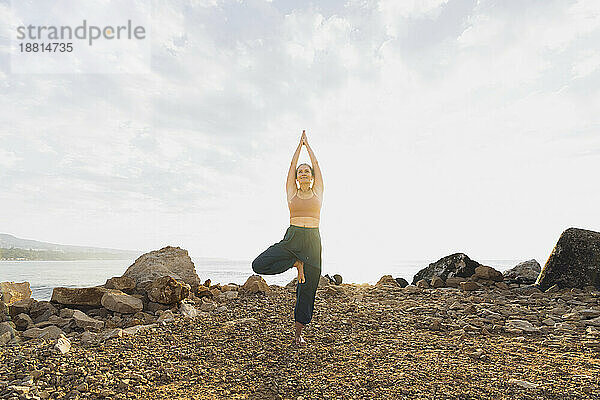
43 276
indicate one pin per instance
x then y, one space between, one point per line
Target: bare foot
300 265
299 340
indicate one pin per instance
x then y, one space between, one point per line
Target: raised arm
290 184
318 184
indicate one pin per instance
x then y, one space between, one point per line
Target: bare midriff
305 222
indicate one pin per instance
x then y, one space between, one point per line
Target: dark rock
402 282
455 265
22 321
574 262
337 279
526 272
21 307
330 279
41 311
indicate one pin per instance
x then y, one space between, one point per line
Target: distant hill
13 248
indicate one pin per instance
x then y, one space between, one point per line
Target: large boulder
11 292
166 290
455 265
526 272
122 303
168 261
574 262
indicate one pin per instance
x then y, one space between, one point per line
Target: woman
301 245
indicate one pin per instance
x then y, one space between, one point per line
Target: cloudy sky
440 126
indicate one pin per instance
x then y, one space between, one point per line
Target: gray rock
50 332
168 261
525 272
122 303
85 322
457 264
7 332
42 311
574 262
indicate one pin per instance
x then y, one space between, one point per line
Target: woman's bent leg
274 260
305 295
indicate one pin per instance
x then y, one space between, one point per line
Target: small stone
82 387
63 345
188 310
522 384
230 295
521 324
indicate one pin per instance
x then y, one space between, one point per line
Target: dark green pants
302 244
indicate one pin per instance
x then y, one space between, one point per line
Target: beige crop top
310 207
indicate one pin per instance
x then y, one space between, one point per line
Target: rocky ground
365 342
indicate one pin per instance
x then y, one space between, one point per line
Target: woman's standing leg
305 295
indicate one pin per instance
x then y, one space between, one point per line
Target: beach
364 342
